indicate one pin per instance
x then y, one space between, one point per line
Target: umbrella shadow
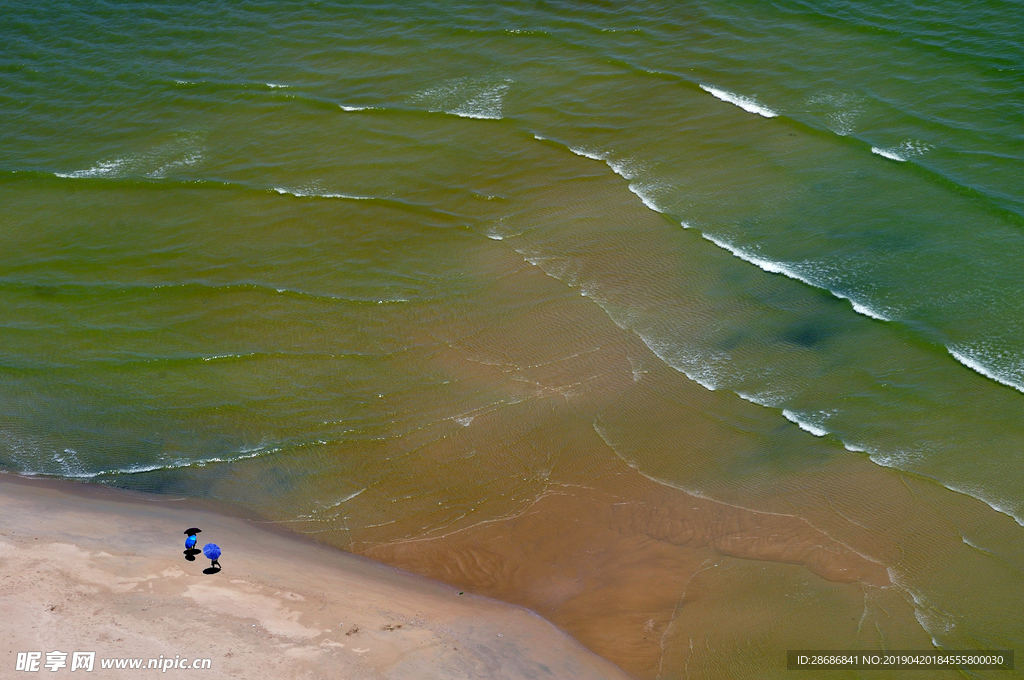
211 570
191 553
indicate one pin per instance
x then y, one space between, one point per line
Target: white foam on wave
841 108
481 98
769 266
699 369
219 357
627 169
888 153
789 271
486 104
70 467
861 308
904 460
642 192
317 193
275 86
102 169
933 620
999 505
346 499
904 152
189 159
758 399
803 423
746 103
913 147
587 153
964 356
976 546
343 107
184 462
185 149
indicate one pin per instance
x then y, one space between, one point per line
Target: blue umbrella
211 550
190 542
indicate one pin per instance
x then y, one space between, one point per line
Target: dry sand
92 569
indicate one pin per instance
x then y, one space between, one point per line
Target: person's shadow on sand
191 553
211 570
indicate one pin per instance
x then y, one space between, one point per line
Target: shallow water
402 272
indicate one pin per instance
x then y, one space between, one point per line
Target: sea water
292 255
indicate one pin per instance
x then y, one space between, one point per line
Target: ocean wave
643 192
888 153
314 192
699 368
35 459
904 152
358 108
222 357
934 621
789 271
745 103
275 86
980 494
804 423
346 499
754 399
973 359
587 153
183 151
904 460
861 308
841 109
27 453
102 169
627 169
467 97
141 468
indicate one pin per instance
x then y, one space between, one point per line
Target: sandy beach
89 569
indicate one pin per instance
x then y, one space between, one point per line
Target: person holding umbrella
190 543
212 552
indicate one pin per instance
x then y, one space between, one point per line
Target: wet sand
91 569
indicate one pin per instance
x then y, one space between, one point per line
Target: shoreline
89 568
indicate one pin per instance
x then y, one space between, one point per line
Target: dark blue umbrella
190 542
211 550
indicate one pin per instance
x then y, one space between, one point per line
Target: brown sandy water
659 578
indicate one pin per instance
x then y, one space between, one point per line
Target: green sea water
262 252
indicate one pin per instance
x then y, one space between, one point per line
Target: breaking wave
746 103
